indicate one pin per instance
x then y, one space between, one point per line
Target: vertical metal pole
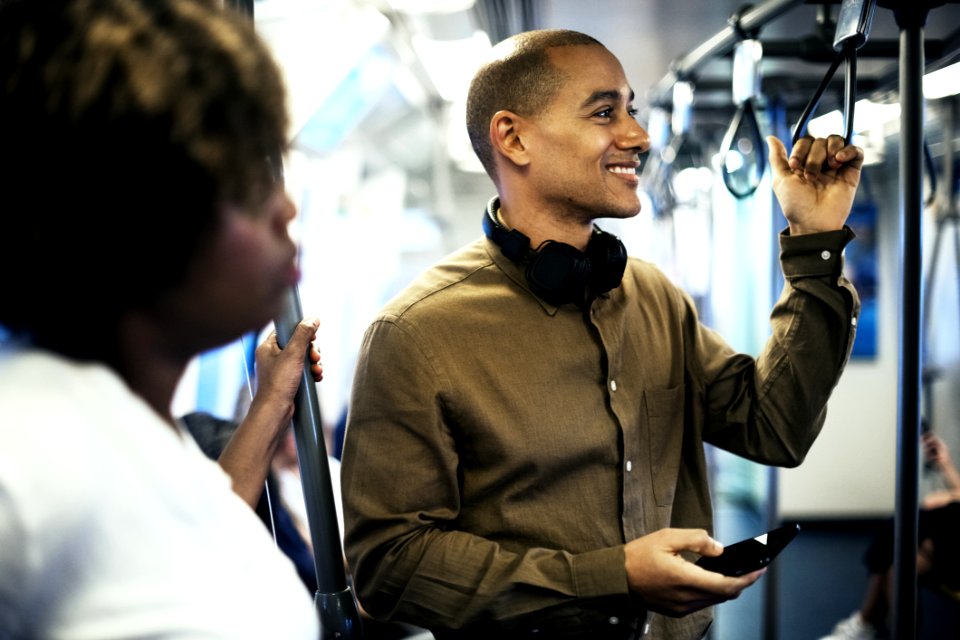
334 601
771 601
339 615
911 21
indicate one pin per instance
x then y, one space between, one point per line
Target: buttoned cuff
814 254
600 573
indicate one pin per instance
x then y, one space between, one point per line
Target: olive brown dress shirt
500 451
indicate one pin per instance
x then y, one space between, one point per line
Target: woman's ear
507 137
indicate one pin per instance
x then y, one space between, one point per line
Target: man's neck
540 225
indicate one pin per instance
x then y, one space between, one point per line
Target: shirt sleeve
401 499
771 409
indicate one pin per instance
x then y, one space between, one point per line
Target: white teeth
621 170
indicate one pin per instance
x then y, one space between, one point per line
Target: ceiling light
942 83
867 115
459 146
431 6
452 63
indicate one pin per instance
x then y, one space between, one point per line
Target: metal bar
771 601
819 51
719 44
339 615
793 82
911 23
336 607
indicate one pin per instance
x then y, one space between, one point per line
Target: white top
113 525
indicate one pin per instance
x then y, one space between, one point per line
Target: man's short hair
521 78
126 125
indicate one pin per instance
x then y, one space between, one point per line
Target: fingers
304 332
744 581
316 370
851 156
934 448
269 354
813 156
302 338
696 540
728 587
303 335
777 155
672 585
835 144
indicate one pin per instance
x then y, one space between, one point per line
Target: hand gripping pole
339 614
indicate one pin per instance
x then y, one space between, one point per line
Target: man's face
585 145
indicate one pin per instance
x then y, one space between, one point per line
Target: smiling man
524 450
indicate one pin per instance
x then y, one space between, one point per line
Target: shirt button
825 255
629 466
614 620
853 321
613 385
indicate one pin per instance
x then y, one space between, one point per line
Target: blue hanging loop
741 151
679 150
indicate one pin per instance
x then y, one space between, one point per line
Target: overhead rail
813 49
752 19
809 48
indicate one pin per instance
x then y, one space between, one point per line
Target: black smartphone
751 554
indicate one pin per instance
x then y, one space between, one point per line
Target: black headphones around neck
558 272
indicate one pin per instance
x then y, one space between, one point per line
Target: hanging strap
848 54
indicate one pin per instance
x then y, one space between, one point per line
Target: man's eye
633 112
606 113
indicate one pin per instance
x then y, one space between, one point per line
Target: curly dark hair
126 125
520 79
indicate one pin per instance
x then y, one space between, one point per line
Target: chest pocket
664 408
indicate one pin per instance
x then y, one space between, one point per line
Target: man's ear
507 137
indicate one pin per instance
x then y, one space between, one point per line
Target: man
524 452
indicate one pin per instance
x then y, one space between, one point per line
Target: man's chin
622 212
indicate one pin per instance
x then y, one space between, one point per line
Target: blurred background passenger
938 556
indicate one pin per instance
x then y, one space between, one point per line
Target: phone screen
751 554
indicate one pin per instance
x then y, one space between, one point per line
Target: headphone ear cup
558 273
608 260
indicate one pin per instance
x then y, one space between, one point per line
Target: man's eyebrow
605 94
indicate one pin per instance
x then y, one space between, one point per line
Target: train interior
386 183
